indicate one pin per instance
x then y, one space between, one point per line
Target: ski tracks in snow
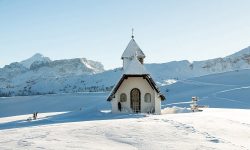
215 95
193 82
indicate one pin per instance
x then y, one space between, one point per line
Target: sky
166 30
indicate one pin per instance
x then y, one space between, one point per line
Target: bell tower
131 51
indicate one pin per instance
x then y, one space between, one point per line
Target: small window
141 60
123 97
147 98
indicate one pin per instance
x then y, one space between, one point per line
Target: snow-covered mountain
37 57
40 75
185 69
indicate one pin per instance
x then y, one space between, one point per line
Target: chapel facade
136 91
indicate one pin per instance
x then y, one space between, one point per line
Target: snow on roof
135 67
132 49
145 76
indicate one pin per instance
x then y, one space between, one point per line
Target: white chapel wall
144 87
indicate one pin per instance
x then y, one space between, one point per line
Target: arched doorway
135 100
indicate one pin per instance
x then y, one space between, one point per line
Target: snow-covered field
83 121
224 90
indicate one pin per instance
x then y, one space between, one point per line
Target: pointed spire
132 33
131 49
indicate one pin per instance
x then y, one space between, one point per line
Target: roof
126 76
133 49
135 67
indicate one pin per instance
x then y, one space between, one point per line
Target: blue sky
166 30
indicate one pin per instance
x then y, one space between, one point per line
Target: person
34 116
119 106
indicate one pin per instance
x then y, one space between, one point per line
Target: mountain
185 69
35 58
40 75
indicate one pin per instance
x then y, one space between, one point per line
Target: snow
94 127
59 76
85 121
80 74
167 82
52 103
224 90
135 67
37 57
175 110
185 69
245 51
132 50
87 65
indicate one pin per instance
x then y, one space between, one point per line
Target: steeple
132 50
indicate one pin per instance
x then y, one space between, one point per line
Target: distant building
136 91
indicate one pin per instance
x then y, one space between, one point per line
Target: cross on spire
132 33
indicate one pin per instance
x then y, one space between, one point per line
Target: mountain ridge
40 75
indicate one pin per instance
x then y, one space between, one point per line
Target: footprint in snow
191 129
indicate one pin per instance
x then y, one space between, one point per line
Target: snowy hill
78 121
224 90
40 75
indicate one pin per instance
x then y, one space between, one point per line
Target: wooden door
135 100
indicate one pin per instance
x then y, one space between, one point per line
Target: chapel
136 91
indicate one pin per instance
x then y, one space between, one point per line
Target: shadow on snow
76 116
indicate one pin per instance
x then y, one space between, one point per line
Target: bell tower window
141 60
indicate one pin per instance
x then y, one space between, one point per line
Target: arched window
123 97
147 98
